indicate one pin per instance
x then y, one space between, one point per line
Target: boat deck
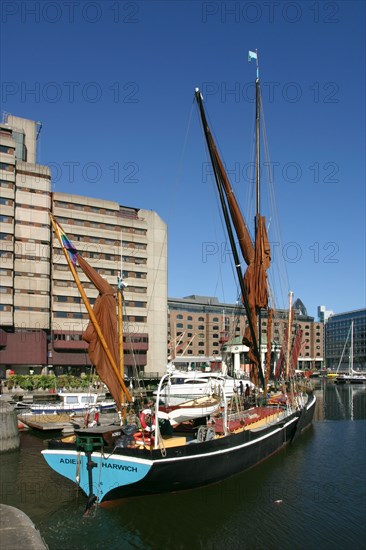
249 420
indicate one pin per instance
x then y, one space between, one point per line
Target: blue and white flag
252 55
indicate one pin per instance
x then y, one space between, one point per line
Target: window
201 327
6 167
6 149
215 319
6 184
71 399
87 399
190 326
215 327
201 319
179 316
189 318
137 318
6 202
179 325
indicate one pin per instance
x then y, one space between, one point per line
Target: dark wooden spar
253 285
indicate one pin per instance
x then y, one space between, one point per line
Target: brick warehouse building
201 325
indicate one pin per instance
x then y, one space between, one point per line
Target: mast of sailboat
289 333
90 311
121 285
257 136
351 358
254 55
222 180
344 348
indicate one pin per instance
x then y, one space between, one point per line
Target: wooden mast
289 334
121 286
258 190
222 184
257 141
91 314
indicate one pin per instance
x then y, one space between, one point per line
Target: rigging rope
282 273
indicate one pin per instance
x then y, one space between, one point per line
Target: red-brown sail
257 257
296 351
101 333
241 230
267 371
255 280
106 315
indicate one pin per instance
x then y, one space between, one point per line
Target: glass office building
337 330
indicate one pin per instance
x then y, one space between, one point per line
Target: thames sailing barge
128 460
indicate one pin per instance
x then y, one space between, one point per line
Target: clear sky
113 82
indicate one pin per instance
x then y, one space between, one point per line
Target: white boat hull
190 410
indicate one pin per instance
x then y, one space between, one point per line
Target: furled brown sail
254 286
257 257
255 280
101 333
106 315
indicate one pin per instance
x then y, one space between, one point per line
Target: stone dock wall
9 433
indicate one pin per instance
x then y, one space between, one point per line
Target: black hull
199 465
115 473
350 381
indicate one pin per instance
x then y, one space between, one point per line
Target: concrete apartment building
41 314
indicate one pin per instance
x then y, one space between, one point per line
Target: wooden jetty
47 422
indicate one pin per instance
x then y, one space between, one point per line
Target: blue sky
113 83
